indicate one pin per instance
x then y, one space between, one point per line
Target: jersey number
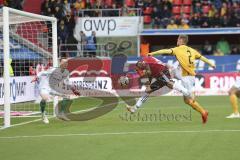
189 57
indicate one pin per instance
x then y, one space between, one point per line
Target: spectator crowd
157 13
185 14
221 48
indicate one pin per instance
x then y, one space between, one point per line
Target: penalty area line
118 133
51 117
23 123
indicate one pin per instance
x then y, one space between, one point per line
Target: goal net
28 45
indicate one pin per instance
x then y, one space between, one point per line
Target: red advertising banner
205 84
216 80
89 67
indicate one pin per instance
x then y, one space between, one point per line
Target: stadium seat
187 2
177 16
186 16
177 2
147 19
205 2
205 9
148 10
130 3
92 2
109 2
176 10
187 9
32 6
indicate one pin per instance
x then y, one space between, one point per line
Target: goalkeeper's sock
234 103
181 89
42 105
64 104
141 100
195 105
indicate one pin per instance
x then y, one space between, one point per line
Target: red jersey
156 66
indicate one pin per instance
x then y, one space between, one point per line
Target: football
123 80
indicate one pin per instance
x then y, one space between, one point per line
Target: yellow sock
195 105
234 102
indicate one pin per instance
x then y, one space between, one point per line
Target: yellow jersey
11 72
186 57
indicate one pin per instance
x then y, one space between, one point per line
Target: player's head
182 40
63 63
140 64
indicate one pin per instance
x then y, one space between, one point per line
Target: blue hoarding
18 51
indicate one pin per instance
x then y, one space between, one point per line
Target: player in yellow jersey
186 57
234 94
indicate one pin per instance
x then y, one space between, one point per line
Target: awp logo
108 25
17 89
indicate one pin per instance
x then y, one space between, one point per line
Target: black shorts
161 81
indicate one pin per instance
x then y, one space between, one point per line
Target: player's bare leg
196 106
233 95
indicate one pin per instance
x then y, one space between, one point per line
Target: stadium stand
180 9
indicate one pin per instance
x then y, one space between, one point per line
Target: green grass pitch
117 136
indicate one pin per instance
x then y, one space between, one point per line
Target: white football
123 81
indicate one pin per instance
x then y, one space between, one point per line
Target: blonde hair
184 38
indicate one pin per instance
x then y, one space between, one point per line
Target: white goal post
9 17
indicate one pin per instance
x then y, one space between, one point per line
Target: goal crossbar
28 17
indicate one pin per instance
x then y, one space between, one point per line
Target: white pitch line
36 120
116 133
23 123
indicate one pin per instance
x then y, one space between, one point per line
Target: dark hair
138 63
184 38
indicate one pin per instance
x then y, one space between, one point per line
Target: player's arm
144 73
204 59
148 82
36 77
148 75
162 51
71 86
147 70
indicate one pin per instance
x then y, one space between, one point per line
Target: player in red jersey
152 68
